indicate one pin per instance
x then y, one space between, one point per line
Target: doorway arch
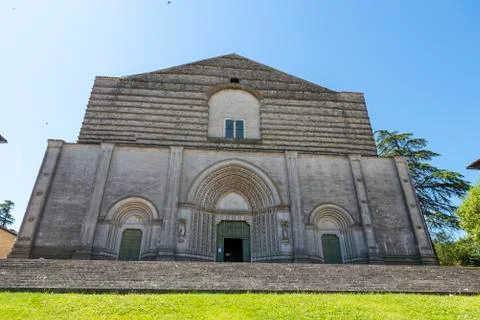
130 213
332 232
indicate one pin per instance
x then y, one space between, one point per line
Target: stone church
223 159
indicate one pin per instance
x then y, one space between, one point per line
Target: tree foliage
460 252
466 250
5 217
435 187
469 212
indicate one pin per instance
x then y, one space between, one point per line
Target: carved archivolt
132 206
329 215
333 219
234 176
130 213
252 188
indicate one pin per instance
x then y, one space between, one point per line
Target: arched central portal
233 241
234 214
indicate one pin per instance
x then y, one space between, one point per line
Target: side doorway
331 249
130 245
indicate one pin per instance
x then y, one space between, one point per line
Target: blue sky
416 61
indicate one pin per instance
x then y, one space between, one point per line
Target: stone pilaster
420 230
296 209
167 242
90 221
26 235
362 199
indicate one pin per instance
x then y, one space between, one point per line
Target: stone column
26 235
296 209
361 192
167 242
420 230
90 221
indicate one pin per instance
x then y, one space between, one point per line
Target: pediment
232 65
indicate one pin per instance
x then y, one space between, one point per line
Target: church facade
223 159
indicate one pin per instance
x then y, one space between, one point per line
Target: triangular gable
233 61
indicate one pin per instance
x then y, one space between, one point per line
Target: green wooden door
130 245
230 231
331 249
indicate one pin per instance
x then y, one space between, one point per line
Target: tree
466 250
435 187
5 217
460 252
469 212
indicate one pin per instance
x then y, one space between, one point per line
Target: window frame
234 129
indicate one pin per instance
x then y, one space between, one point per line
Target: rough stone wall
170 107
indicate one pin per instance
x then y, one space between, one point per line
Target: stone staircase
143 276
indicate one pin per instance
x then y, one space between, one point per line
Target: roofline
11 231
282 72
178 66
474 165
134 75
233 54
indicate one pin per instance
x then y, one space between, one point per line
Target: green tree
469 212
466 250
435 187
5 217
460 252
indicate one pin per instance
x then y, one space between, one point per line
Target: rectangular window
234 129
239 132
229 130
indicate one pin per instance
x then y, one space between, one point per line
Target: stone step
152 276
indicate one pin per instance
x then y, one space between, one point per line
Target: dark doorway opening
233 250
233 241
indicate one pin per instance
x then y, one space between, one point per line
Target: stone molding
168 237
419 227
364 208
128 213
321 220
90 222
295 200
262 182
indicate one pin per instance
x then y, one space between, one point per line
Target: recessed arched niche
130 231
234 114
232 202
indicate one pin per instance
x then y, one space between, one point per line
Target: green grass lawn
237 306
